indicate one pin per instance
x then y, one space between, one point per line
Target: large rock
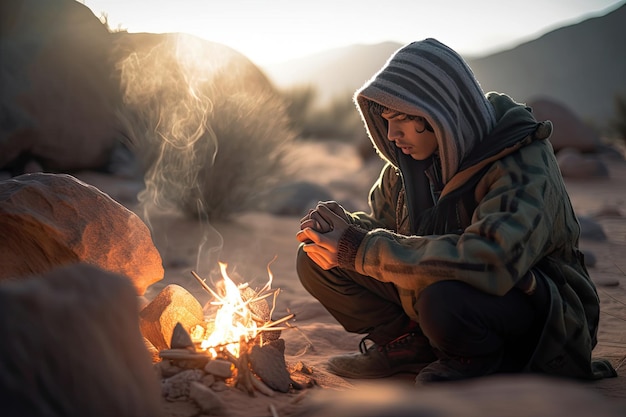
71 346
58 96
171 306
569 130
48 220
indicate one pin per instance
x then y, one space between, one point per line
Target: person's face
410 134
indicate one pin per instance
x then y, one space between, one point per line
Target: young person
468 263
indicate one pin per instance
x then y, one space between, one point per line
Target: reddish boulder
48 220
71 346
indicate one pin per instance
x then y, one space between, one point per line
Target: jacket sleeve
382 202
521 217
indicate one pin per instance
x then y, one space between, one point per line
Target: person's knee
434 299
437 307
304 267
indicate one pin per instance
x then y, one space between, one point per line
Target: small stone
167 369
177 387
207 399
591 230
198 363
219 368
208 380
181 339
219 386
301 367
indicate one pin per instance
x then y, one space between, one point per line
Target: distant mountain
334 72
582 66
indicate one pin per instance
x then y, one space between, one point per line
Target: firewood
244 376
261 387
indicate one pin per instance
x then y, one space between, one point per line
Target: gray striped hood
428 78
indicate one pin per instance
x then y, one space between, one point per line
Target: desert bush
209 128
338 120
299 101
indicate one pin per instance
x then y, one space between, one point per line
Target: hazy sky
271 31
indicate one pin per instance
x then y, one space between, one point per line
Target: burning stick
266 325
284 319
244 375
240 324
257 297
204 285
271 326
261 387
245 378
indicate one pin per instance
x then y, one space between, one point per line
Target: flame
233 319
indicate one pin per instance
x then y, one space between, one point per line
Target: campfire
240 345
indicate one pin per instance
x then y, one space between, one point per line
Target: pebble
208 401
219 368
177 387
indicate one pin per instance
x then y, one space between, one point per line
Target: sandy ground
253 240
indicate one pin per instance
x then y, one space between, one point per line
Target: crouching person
468 262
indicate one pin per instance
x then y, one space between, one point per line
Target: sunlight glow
273 31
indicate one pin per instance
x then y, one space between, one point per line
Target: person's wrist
348 245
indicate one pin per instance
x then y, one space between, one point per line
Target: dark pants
457 319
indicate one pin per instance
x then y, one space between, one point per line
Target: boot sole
414 368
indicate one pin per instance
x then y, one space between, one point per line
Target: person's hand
317 222
322 247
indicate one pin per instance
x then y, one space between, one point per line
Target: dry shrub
300 101
250 158
337 119
209 127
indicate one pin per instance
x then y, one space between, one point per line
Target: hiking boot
455 369
408 353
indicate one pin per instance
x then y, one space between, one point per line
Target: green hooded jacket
489 209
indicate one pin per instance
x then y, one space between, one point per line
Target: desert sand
251 241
